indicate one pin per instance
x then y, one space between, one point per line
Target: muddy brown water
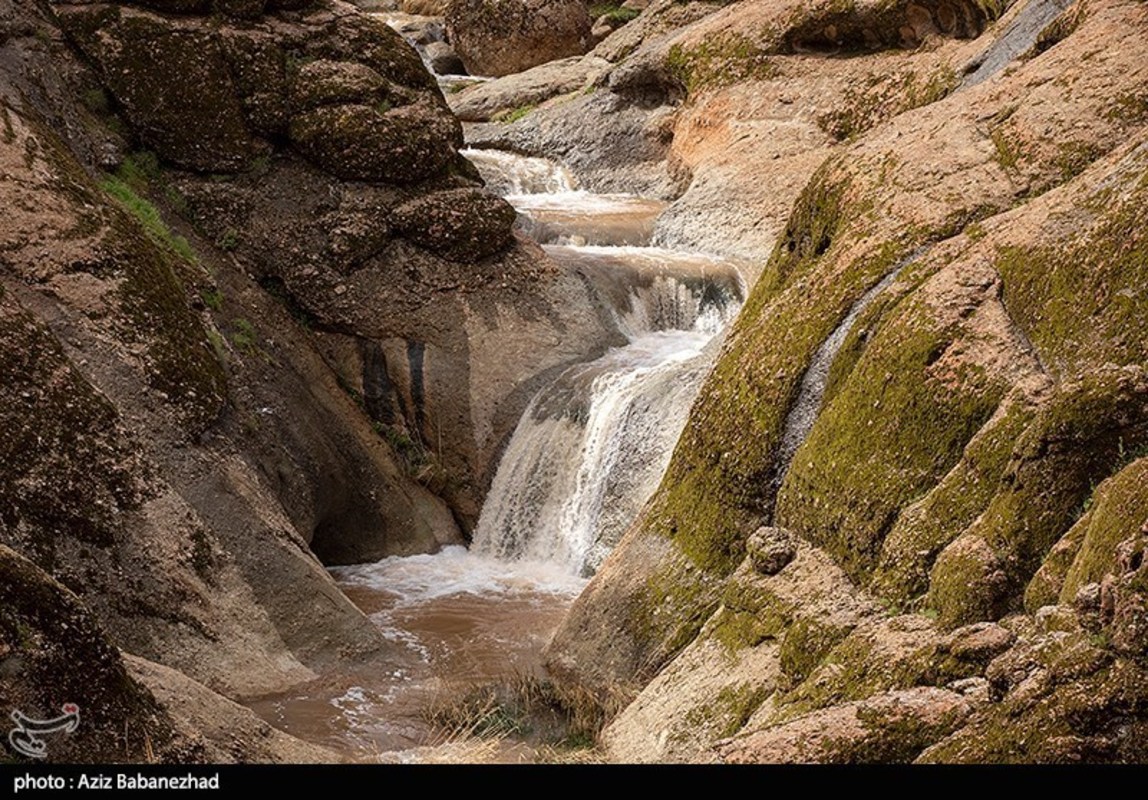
451 620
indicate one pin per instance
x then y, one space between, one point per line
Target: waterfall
513 175
593 445
815 381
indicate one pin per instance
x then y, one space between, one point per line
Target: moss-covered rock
374 143
1066 701
898 424
923 529
807 641
877 656
461 224
172 82
66 466
1118 510
889 728
1080 434
721 482
1081 300
1046 585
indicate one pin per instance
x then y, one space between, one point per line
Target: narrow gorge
675 381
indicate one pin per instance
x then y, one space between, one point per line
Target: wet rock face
506 36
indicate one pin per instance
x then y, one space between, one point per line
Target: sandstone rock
1129 591
506 36
976 690
601 28
462 224
968 583
980 642
223 730
487 100
887 728
770 549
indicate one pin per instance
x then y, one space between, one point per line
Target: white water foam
456 570
577 471
514 175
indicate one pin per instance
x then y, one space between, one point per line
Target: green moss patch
885 96
730 709
924 529
1120 510
891 434
720 61
870 660
1077 438
1085 301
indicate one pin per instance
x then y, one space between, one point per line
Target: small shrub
228 240
149 217
244 337
212 298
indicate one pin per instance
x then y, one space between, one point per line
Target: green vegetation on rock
1082 301
720 62
891 433
1081 434
1119 512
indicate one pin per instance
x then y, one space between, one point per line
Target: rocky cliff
251 303
906 518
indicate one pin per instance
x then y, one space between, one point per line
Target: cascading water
593 445
587 453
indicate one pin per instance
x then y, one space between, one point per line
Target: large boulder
500 37
343 87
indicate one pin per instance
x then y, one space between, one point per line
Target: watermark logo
25 737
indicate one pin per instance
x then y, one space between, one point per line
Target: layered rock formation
960 198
